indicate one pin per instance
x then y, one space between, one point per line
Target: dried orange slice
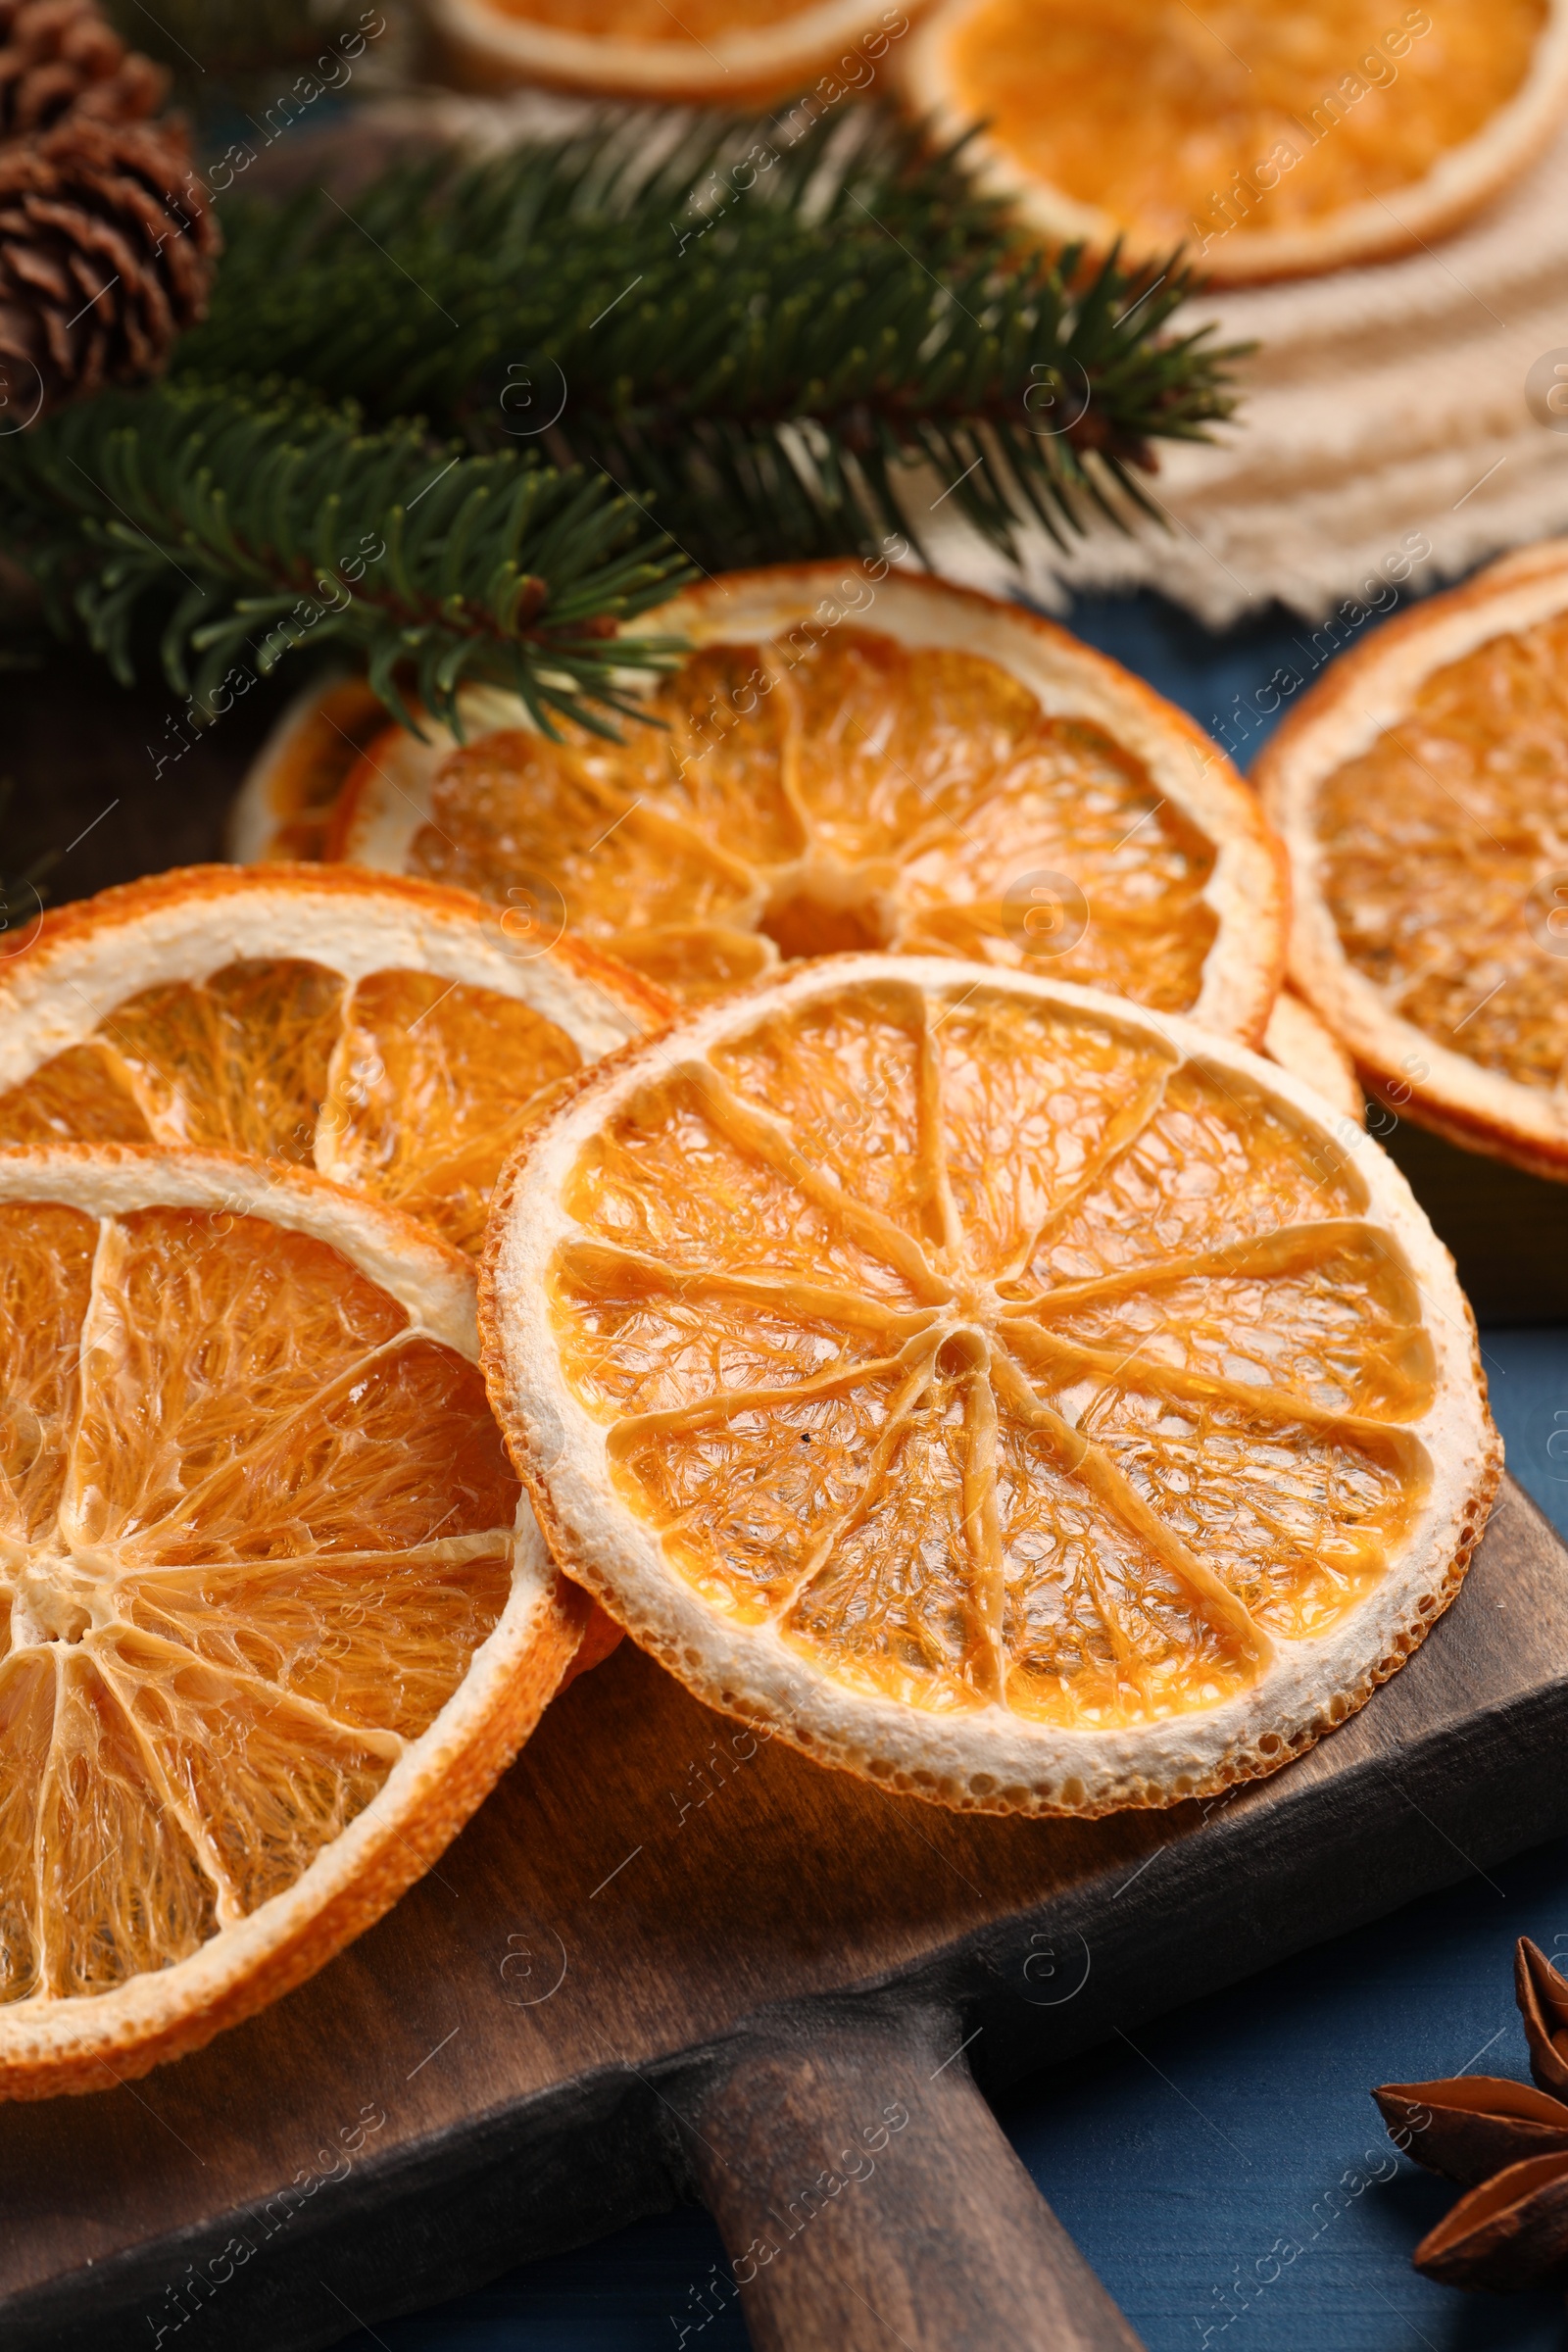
1422 788
846 763
393 1036
1268 141
723 50
294 783
1030 1402
273 1615
1304 1045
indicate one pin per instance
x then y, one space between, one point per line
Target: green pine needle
759 328
251 528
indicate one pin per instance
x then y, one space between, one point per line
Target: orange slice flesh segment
273 1614
1012 1396
1153 140
1435 839
395 1040
932 772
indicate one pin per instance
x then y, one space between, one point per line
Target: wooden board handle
867 2198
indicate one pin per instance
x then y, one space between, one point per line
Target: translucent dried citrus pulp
1012 1396
713 49
1422 789
393 1036
1270 141
847 764
273 1614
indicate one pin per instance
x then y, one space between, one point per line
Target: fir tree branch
758 328
251 528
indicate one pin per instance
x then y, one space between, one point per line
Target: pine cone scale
40 270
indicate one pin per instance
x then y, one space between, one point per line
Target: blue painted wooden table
1229 2178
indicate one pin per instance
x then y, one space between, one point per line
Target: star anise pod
1469 2127
1505 2143
1543 1998
1511 2232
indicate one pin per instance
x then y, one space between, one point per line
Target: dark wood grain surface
519 2056
83 758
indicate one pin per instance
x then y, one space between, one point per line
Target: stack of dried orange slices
842 763
1025 1395
273 1613
1422 792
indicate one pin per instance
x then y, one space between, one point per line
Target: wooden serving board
668 1959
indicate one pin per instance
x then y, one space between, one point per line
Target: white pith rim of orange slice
1299 1042
727 66
387 800
562 1451
1466 177
56 2043
87 958
1366 692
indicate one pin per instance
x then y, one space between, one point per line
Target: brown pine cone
107 245
59 56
